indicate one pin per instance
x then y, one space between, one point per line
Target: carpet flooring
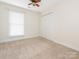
36 48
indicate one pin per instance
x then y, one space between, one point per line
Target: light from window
16 23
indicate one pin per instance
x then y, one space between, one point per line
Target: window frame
15 36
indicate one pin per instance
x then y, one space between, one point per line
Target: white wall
31 22
3 23
63 25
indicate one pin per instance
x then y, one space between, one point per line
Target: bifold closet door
49 25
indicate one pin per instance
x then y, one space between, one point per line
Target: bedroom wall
3 23
31 23
63 25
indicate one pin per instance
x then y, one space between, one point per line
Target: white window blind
16 23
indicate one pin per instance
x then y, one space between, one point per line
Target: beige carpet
36 48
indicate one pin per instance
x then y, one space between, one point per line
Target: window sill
16 36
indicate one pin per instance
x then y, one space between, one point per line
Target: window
16 23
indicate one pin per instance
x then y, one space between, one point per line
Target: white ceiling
44 5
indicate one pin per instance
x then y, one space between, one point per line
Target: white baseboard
61 43
18 38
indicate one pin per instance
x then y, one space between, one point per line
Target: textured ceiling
44 5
